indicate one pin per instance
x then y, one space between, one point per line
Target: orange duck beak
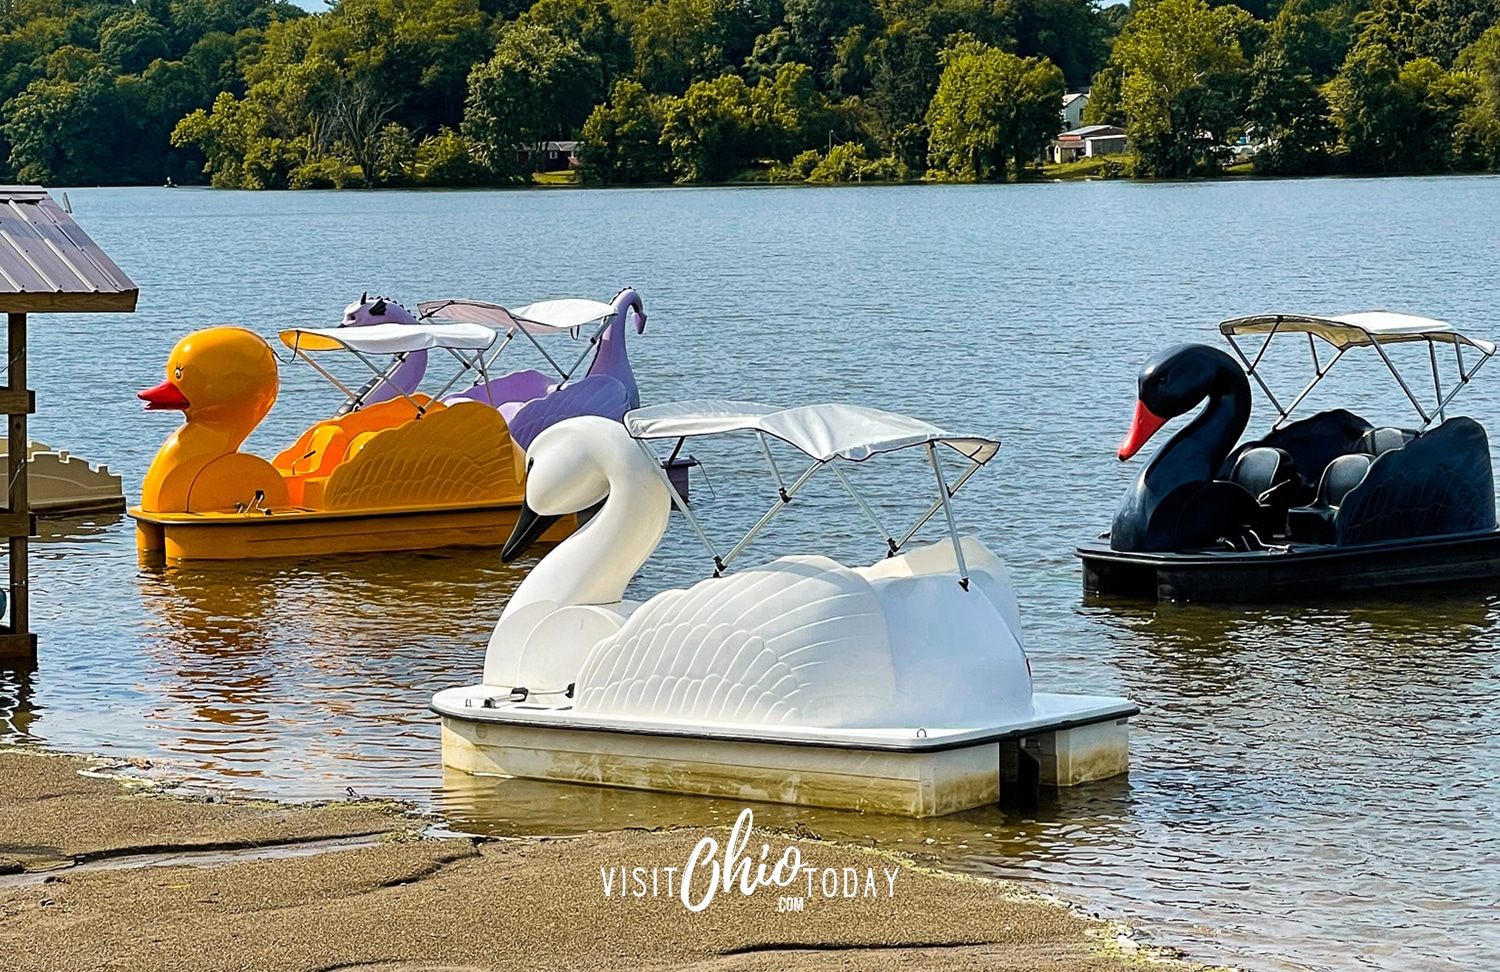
164 397
1143 427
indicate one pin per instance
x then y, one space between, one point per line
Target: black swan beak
1142 428
530 526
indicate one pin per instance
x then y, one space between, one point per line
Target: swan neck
1209 438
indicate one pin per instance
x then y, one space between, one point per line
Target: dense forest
261 94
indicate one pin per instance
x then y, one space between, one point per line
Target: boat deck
1290 572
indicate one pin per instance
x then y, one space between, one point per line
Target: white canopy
541 317
1351 330
566 313
823 432
390 338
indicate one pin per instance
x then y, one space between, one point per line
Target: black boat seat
1263 469
1270 475
1377 441
1314 524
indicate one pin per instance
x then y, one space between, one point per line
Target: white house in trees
1072 109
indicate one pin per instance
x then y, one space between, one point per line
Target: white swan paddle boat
902 687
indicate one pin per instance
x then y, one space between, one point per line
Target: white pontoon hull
1074 739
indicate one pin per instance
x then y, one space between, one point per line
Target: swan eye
529 463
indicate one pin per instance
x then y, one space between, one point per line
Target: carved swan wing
800 641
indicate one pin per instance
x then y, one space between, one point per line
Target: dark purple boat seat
1314 524
1378 441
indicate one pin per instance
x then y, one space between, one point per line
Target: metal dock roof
49 264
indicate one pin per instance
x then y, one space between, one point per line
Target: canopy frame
513 324
786 493
354 400
1320 328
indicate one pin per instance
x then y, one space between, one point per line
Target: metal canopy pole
785 499
22 642
351 395
592 346
958 550
1391 367
1437 382
1317 377
661 473
1250 369
937 504
890 541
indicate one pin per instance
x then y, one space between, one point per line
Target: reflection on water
341 654
1310 787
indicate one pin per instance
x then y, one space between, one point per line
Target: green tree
244 144
904 70
131 41
537 86
1435 29
720 127
1286 109
50 127
1398 117
1477 136
1069 33
818 29
443 160
1181 72
991 108
678 42
1104 106
714 129
622 140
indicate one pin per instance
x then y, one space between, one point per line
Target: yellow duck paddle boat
406 473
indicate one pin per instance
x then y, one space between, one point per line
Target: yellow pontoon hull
174 538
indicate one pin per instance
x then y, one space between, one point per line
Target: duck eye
177 374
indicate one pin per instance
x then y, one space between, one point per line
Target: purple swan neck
611 359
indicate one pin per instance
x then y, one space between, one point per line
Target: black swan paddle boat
1317 507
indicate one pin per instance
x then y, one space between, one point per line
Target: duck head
1173 383
222 376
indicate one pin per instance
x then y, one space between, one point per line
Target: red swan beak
164 397
1142 428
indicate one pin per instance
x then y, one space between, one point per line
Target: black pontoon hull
1302 573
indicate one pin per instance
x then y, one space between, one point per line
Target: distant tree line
259 94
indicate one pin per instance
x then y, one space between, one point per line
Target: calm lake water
1311 787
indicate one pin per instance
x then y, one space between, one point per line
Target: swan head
223 375
627 300
570 467
1173 383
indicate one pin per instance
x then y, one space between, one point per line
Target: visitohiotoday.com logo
705 875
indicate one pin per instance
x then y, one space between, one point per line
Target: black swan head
1174 382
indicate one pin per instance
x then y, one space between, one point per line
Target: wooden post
20 643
